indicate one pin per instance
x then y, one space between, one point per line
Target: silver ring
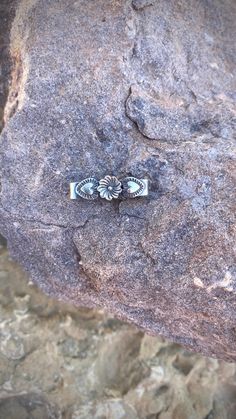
109 187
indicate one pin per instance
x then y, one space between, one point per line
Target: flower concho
109 188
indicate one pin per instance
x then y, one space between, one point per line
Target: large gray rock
143 88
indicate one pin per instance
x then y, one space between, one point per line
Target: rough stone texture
59 362
7 8
121 87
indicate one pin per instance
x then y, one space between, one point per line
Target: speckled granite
120 87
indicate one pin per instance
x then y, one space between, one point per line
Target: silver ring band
109 187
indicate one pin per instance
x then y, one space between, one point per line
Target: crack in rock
141 4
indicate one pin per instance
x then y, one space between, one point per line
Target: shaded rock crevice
19 34
7 13
12 102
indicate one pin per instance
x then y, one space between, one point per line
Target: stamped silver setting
86 189
132 187
109 187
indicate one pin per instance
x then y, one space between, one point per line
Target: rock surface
7 9
121 87
59 362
